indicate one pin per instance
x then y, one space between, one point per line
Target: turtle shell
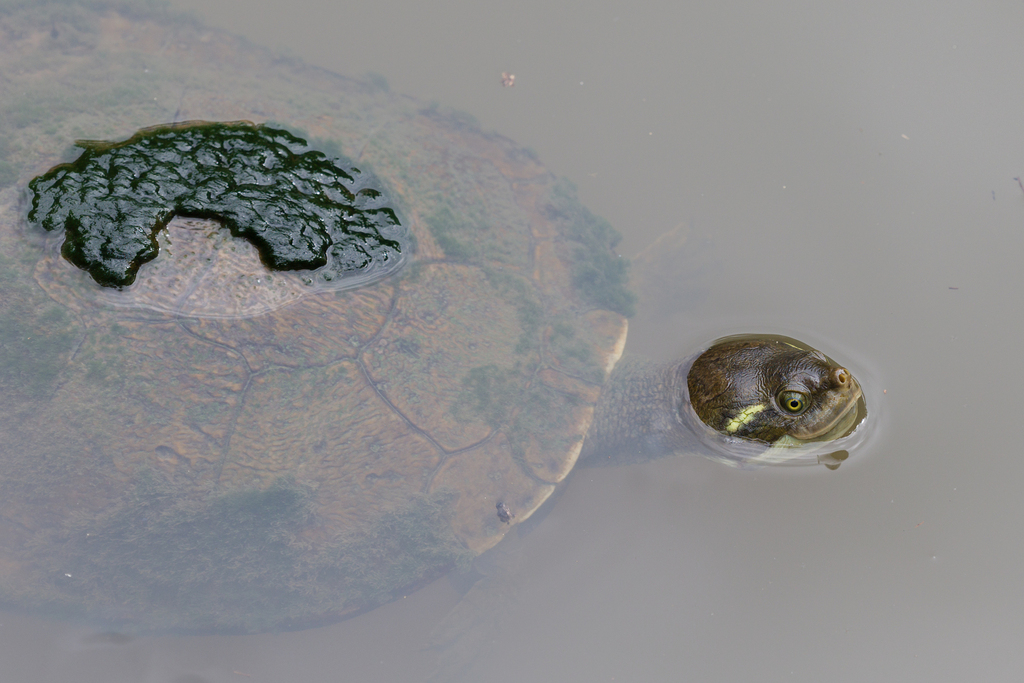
221 447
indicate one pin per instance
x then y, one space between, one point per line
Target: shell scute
361 455
496 475
447 320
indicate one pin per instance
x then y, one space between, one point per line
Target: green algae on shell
300 209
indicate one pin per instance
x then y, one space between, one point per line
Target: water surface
841 175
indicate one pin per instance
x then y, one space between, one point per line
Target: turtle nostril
840 376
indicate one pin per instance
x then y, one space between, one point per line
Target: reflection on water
841 175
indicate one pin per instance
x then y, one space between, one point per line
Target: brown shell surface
176 449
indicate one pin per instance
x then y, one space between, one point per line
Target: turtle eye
792 402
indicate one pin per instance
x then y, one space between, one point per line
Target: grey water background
840 173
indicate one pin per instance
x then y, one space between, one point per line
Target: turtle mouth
840 423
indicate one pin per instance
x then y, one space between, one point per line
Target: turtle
214 445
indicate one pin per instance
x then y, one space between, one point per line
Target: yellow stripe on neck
743 418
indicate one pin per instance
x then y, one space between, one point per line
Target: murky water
845 176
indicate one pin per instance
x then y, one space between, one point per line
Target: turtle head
772 390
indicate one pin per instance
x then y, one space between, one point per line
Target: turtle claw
505 514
